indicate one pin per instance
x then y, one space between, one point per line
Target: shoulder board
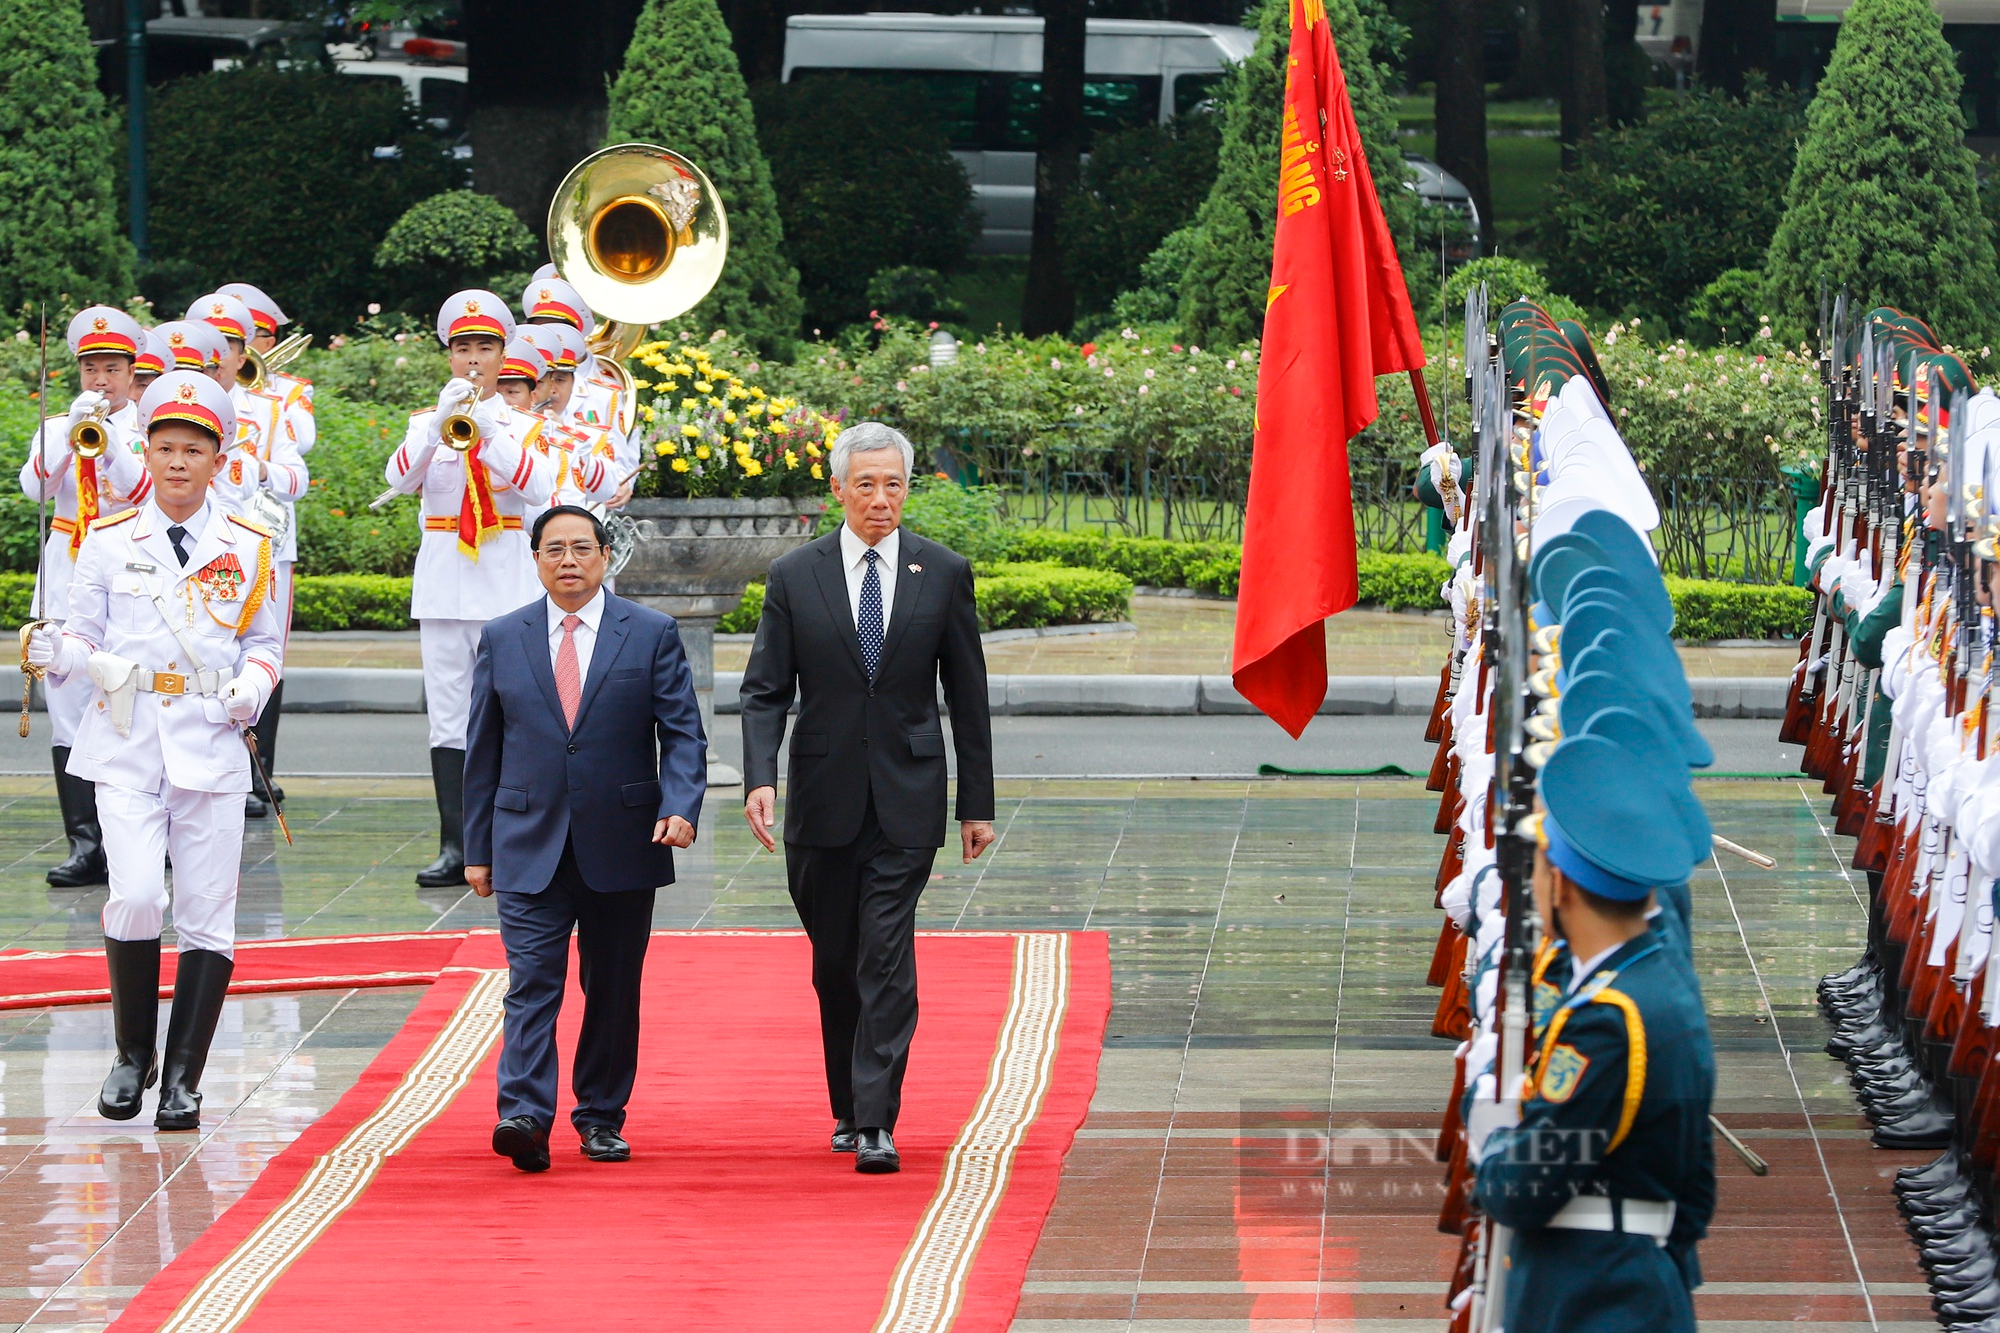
100 524
266 395
242 522
421 411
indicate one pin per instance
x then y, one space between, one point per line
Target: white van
982 78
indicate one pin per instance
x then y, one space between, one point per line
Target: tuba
640 232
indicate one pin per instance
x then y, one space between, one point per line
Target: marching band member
296 392
150 364
173 626
473 564
88 484
602 399
262 478
581 454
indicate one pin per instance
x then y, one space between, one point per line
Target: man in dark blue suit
585 762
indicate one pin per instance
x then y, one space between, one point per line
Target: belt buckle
169 682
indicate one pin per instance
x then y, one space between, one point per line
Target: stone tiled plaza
1259 1151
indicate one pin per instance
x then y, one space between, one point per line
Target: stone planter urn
692 558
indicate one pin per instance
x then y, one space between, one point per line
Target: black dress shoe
875 1153
1931 1174
254 807
601 1143
523 1138
843 1136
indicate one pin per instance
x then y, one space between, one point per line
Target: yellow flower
703 386
742 447
780 428
647 412
701 451
681 368
663 448
736 389
641 384
755 409
751 467
690 430
756 393
817 474
713 401
728 418
812 449
689 404
680 465
791 459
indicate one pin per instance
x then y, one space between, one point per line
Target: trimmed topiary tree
452 241
59 234
1884 198
1222 293
681 88
1140 185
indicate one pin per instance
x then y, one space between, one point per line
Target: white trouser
449 647
203 831
66 702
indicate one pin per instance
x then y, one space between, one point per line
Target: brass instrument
90 437
258 367
640 232
458 429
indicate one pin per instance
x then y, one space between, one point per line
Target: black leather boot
258 804
198 994
78 798
135 1024
448 776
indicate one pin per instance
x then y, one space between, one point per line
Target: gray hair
866 437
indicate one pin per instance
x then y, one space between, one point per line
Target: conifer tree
681 88
1222 293
59 232
1884 196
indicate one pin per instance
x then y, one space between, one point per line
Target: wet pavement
1258 1155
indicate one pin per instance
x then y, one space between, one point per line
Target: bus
980 76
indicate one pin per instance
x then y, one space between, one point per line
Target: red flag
1337 316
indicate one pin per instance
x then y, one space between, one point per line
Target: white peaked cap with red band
186 395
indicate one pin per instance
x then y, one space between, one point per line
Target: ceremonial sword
29 672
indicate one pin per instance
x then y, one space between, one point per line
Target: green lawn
990 289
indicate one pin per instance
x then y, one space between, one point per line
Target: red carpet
391 1213
30 979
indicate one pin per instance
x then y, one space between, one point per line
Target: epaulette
243 522
420 411
266 394
97 525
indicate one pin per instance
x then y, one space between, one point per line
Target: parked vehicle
980 77
1438 188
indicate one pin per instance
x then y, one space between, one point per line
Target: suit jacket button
572 748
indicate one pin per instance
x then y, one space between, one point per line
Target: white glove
454 395
240 699
43 644
84 404
492 414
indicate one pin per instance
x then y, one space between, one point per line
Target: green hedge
1704 609
1020 596
743 620
351 601
1205 566
1402 582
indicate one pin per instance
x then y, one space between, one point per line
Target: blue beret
1594 684
1651 605
1557 564
1627 552
1638 647
1604 809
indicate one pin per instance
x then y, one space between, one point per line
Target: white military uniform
118 480
585 465
173 781
454 593
264 433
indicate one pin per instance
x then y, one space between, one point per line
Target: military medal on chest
220 581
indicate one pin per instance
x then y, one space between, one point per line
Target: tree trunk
1583 90
1736 38
1460 108
1049 305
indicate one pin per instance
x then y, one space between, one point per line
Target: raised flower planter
692 558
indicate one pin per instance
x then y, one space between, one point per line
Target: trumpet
258 367
458 429
90 437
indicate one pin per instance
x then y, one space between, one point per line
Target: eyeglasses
555 551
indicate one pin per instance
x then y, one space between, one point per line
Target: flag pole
1431 435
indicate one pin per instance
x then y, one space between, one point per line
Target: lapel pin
916 568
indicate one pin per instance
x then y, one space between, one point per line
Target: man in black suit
584 763
860 625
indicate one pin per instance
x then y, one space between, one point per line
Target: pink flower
374 307
1235 392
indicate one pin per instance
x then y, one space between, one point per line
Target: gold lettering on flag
1314 12
1298 186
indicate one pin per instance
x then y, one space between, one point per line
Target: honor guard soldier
581 455
1608 1180
296 391
172 624
566 353
475 462
89 462
262 478
601 400
193 344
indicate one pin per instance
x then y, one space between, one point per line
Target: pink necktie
569 681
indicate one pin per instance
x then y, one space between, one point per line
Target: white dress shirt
851 551
586 633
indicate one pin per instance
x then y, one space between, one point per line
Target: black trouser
859 907
612 931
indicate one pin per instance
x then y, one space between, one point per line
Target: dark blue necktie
178 534
869 623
